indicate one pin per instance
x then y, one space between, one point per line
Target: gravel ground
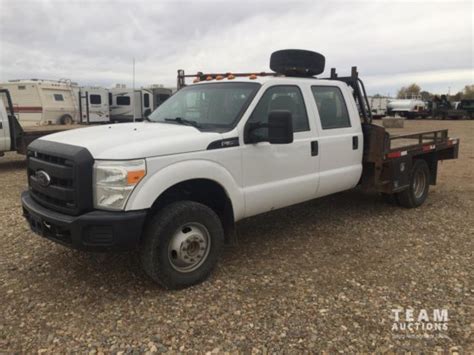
323 275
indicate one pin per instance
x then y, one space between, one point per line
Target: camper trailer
94 104
41 102
128 105
160 94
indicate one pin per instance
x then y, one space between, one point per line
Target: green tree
409 91
426 95
468 92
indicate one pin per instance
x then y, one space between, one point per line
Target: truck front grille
60 176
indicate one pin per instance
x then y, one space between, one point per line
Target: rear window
331 107
95 99
123 100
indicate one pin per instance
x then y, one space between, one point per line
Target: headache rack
353 81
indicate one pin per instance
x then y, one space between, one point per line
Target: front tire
417 193
181 244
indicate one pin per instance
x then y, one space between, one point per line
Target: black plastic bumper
96 230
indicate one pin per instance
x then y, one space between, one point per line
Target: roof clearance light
196 80
219 77
209 78
253 77
231 76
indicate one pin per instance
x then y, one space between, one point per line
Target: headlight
114 181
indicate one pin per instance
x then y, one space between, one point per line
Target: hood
136 140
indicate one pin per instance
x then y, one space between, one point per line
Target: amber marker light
253 77
134 177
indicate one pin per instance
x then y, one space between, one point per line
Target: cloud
94 42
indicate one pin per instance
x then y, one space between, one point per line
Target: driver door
279 175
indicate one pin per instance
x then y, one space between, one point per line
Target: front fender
152 186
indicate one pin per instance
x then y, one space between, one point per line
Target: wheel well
205 191
432 160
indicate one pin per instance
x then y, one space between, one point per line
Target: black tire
66 120
417 193
297 62
158 257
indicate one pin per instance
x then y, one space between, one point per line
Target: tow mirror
280 127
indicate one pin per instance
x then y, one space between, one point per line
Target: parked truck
442 108
408 108
227 147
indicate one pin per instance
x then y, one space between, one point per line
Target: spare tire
297 62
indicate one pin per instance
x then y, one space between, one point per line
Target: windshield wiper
183 121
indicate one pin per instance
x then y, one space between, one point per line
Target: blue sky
393 43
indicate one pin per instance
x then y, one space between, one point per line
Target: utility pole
133 89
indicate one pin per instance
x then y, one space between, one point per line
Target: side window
146 100
281 98
58 97
123 100
95 99
331 107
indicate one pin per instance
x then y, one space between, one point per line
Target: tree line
414 90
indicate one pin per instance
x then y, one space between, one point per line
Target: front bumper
96 230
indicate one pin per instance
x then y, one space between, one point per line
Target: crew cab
225 148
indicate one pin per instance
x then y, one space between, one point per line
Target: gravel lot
323 275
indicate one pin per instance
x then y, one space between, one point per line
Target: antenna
133 89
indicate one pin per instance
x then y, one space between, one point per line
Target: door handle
355 143
314 148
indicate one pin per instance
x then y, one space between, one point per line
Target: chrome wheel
189 247
419 183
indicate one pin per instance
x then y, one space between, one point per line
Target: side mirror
280 127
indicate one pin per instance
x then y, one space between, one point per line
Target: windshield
216 107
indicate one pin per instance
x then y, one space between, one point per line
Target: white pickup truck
228 147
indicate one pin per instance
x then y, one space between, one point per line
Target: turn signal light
133 177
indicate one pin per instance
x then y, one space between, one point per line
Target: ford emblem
43 178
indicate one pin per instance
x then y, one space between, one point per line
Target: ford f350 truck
225 148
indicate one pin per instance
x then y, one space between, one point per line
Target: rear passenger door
340 139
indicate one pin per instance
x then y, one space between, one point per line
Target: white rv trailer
128 105
94 104
160 94
39 102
